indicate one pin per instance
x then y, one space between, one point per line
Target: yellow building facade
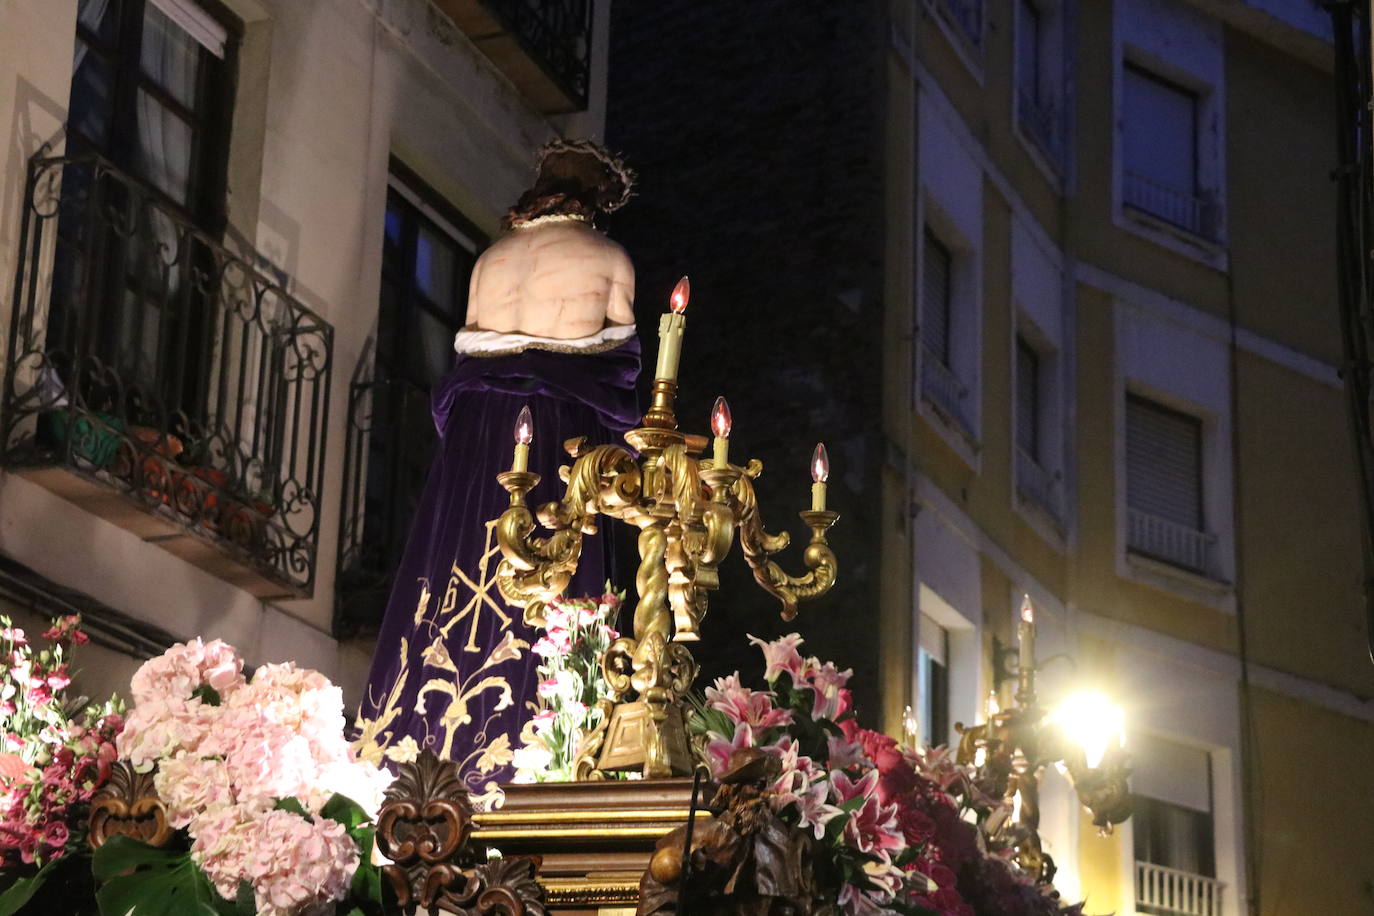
1112 385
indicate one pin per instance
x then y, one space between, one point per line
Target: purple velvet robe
452 669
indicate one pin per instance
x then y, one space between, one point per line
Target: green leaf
293 805
245 903
18 894
345 810
854 804
136 877
207 695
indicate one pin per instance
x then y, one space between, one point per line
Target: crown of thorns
616 169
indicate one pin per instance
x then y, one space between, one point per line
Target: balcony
1175 544
1042 125
1170 892
941 388
544 47
1037 486
391 442
164 382
1194 213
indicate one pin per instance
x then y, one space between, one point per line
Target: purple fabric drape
452 669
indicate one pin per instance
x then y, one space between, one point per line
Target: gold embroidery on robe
487 752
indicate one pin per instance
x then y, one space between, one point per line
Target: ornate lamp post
689 509
1012 748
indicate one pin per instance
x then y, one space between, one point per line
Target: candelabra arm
819 559
533 570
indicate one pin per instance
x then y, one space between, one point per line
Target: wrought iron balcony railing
543 46
146 358
1170 892
1196 213
1162 539
1043 125
1038 486
391 441
942 390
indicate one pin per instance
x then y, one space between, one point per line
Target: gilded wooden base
595 838
630 732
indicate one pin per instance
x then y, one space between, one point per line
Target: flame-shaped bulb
820 464
720 419
1027 611
681 293
524 426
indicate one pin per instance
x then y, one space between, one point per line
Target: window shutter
935 291
1160 130
1163 462
1027 399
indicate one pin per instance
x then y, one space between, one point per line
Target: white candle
524 434
720 425
1025 635
670 328
820 472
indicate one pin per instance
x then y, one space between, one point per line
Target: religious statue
549 327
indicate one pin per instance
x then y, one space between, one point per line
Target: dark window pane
100 18
435 267
1027 398
1174 836
170 57
393 225
1028 54
431 347
935 291
92 96
165 145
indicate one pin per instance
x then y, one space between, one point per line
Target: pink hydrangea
292 864
181 670
161 727
190 786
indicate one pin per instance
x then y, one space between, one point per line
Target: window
1037 476
1028 400
151 95
936 294
967 18
151 92
1164 495
947 336
428 251
1160 151
1172 826
1028 51
427 256
932 682
1039 80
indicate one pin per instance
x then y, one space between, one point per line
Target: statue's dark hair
576 178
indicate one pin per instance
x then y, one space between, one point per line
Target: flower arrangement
54 752
571 689
897 829
258 774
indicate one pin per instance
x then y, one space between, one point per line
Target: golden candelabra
689 510
1011 749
